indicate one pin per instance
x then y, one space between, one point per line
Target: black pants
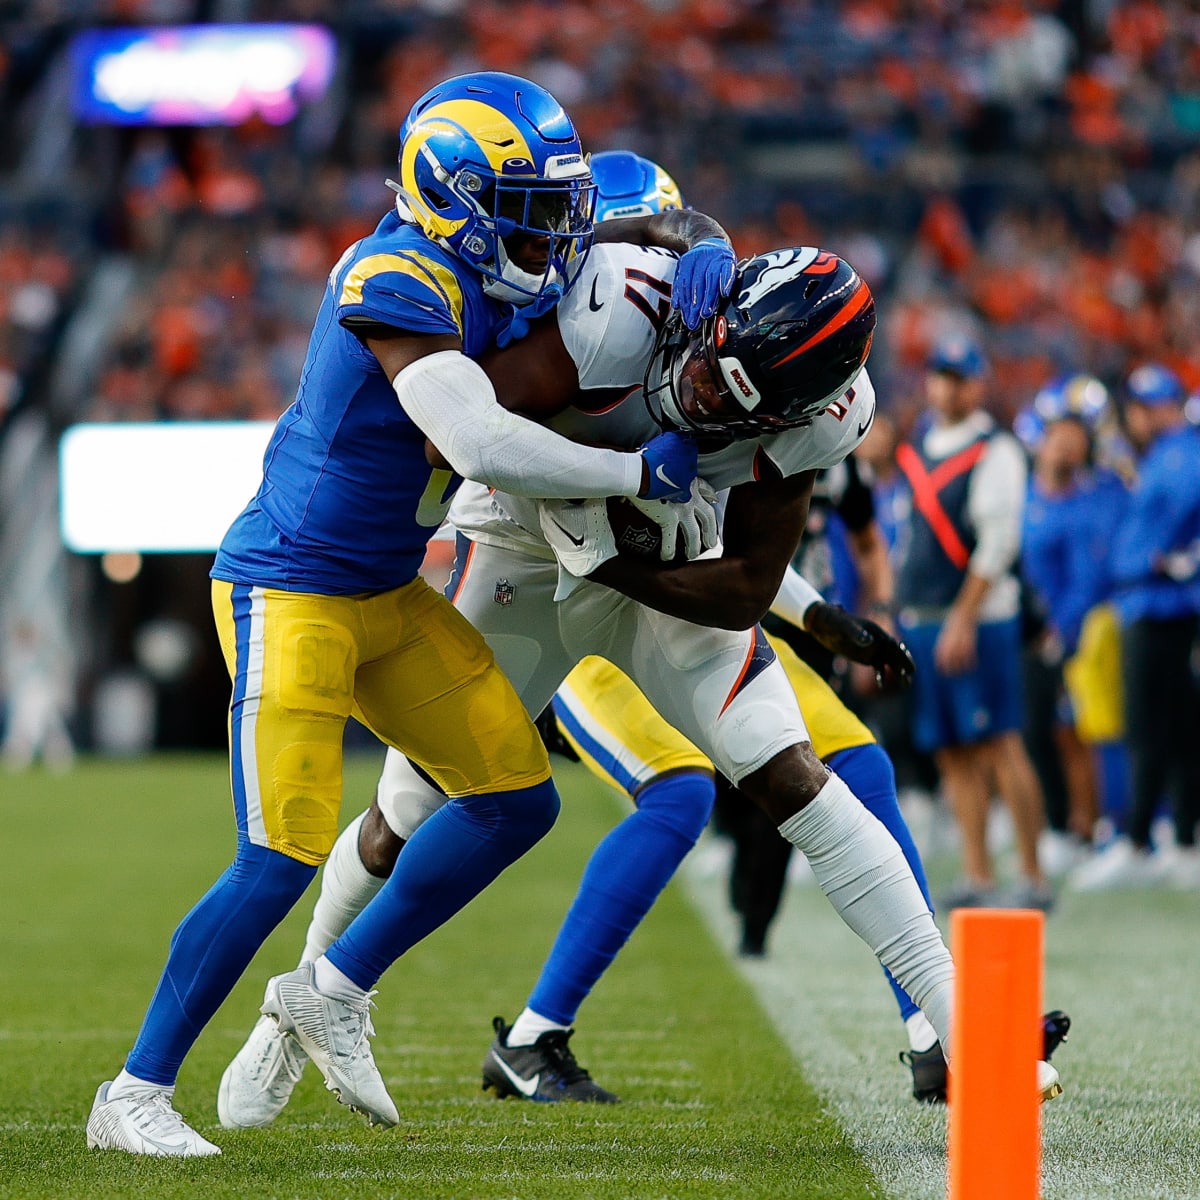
760 863
1042 683
1162 717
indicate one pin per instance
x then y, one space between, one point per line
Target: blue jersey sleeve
405 289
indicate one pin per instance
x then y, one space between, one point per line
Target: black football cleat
1055 1027
929 1066
546 1071
929 1073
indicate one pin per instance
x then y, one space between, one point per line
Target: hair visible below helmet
1152 384
488 158
628 185
790 339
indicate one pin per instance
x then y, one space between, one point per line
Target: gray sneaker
143 1122
968 893
334 1032
1026 893
259 1081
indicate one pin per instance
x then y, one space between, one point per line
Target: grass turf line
103 862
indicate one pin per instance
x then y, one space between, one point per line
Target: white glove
695 518
578 532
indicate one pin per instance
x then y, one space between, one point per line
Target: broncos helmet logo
781 267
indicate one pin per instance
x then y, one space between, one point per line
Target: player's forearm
677 229
970 596
719 592
453 402
794 598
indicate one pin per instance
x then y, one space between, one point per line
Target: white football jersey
609 322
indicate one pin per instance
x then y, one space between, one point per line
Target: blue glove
671 464
514 325
703 279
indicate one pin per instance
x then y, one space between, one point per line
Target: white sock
864 874
921 1035
530 1026
346 889
332 982
125 1084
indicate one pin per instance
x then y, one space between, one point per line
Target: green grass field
779 1080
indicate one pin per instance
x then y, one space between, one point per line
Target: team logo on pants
504 592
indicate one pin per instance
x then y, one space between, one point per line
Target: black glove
862 641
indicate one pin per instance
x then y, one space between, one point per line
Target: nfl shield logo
504 592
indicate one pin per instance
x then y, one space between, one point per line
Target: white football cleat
1047 1082
259 1081
143 1122
333 1031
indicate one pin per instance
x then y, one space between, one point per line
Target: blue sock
210 949
624 877
868 773
1113 758
450 859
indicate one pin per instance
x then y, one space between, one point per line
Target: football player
671 779
319 606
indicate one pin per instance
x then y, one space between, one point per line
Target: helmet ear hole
810 288
435 201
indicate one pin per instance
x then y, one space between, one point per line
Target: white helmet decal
738 383
782 265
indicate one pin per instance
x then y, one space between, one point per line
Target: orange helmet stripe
858 301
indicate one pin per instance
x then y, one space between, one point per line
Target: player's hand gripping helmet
491 168
792 337
628 185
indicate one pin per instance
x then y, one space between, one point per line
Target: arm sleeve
794 598
996 507
452 401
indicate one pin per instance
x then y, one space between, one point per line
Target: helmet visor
544 209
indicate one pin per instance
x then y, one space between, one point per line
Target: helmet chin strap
514 285
403 202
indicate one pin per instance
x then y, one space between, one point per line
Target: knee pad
406 796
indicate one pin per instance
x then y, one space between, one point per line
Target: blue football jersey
347 501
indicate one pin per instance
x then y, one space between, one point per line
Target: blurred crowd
1022 174
1031 170
1077 704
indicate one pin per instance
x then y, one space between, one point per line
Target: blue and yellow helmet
489 158
628 185
1080 397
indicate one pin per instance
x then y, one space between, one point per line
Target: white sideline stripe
1129 1121
828 1000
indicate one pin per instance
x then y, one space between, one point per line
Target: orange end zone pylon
995 1116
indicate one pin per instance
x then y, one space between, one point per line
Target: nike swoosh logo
525 1086
594 304
661 473
575 541
862 429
